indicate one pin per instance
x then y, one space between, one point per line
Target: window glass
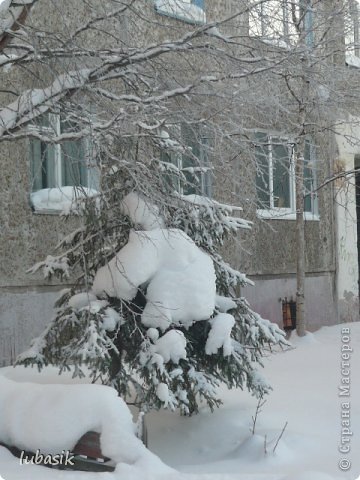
172 176
275 175
262 170
42 165
281 174
308 179
352 22
73 164
206 176
59 165
190 165
193 176
273 20
268 19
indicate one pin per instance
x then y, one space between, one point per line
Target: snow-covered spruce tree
153 311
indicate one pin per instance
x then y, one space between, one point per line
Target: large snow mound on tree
53 418
180 277
142 213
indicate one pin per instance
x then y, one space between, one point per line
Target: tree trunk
300 238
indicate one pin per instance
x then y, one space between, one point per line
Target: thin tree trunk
303 100
300 239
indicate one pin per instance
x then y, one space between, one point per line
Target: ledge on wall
185 10
284 214
352 60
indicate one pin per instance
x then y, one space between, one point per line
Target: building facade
262 167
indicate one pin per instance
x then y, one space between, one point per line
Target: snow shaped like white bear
180 278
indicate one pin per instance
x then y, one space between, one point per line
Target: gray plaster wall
25 238
26 301
24 313
265 298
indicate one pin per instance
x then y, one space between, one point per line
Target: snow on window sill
181 10
284 214
45 211
352 60
62 200
277 42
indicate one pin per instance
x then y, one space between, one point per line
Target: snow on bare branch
13 14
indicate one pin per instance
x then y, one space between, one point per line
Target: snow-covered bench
89 421
86 455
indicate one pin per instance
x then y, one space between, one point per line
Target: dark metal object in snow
289 314
86 456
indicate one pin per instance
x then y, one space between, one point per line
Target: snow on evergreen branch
52 266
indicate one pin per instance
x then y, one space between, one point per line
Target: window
272 20
275 178
352 33
192 11
67 164
192 173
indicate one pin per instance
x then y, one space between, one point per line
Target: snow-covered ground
220 446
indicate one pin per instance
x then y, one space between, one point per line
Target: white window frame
287 213
352 33
176 158
54 128
281 37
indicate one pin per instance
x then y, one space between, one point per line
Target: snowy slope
305 382
219 446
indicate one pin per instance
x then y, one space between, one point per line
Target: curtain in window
281 174
42 158
74 170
